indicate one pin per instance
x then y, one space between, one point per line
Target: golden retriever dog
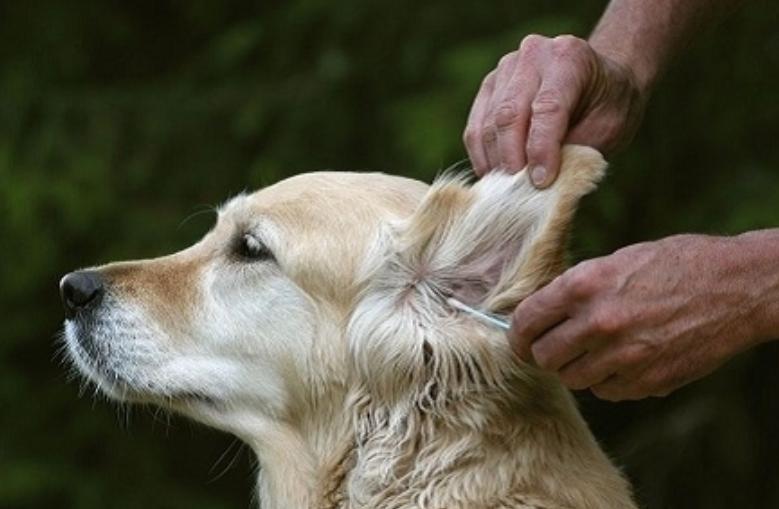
312 322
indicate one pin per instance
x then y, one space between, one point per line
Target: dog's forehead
328 197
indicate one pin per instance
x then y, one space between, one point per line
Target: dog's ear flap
494 243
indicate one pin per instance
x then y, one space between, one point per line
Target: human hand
649 318
547 93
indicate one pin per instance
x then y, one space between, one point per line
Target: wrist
639 67
642 36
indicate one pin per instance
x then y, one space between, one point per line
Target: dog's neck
304 466
479 451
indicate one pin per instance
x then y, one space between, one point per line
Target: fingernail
538 175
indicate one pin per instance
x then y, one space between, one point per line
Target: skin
651 317
654 316
565 89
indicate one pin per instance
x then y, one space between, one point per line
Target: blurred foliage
120 119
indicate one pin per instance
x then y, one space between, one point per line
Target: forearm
758 253
644 35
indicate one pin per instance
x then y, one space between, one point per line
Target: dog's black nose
79 290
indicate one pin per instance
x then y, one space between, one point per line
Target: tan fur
545 258
398 402
165 287
464 425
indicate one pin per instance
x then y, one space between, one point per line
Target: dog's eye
250 248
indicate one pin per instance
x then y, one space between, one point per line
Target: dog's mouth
85 343
176 400
190 398
120 377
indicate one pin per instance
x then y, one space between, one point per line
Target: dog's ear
493 243
490 245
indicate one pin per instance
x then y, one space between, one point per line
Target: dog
312 322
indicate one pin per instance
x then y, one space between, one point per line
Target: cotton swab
499 321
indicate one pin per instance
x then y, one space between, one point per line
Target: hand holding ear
651 317
546 93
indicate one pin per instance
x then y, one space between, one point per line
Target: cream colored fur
339 362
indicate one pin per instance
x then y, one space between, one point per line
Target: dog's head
320 282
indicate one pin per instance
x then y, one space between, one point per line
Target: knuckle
634 357
604 268
531 43
644 350
506 60
580 282
538 145
547 102
537 148
605 322
506 114
567 45
489 80
471 136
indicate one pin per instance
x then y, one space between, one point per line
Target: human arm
559 90
653 316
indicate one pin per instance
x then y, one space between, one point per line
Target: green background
120 119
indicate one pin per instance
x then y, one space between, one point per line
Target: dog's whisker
230 464
205 210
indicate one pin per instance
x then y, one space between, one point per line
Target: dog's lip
171 399
191 397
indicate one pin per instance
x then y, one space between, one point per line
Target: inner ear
493 243
481 276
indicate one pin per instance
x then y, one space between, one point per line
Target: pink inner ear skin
482 272
478 277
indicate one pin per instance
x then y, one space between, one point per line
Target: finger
536 314
591 368
562 344
551 110
548 125
618 388
489 127
473 136
512 116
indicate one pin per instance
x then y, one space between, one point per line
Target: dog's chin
123 383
